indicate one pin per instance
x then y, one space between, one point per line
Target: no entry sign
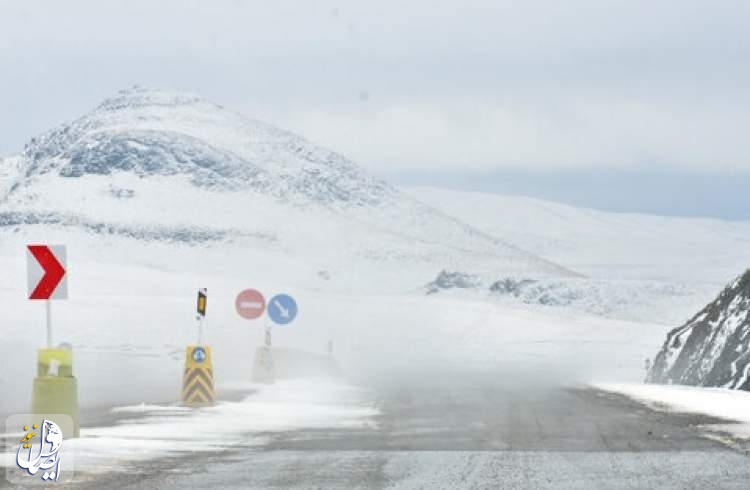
46 274
250 304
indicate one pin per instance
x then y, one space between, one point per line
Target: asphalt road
469 431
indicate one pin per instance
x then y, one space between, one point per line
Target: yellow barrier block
55 389
198 377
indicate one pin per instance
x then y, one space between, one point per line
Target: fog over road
473 431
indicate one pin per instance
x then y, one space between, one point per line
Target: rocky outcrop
713 347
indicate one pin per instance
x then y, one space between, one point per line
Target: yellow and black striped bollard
198 378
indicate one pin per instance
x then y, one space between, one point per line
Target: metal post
200 331
49 323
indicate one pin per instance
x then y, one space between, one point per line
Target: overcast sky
623 105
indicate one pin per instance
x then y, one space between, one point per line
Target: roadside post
281 310
55 389
250 305
198 377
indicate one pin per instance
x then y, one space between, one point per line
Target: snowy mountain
149 132
158 193
605 245
172 168
713 348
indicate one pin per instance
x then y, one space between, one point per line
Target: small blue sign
199 354
282 309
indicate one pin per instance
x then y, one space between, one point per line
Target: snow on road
731 405
148 432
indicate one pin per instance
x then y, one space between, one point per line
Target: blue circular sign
282 309
199 354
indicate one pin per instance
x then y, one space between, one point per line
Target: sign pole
48 304
198 377
282 310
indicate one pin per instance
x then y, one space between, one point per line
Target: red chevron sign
46 272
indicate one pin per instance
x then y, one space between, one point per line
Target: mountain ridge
133 165
149 131
601 244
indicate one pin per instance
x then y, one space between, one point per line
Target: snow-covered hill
169 167
605 245
150 132
159 193
713 348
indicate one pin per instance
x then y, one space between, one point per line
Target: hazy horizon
606 105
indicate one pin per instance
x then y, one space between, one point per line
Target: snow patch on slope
653 301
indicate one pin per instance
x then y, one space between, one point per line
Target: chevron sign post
47 277
46 272
55 389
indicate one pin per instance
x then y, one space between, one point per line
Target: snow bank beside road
721 403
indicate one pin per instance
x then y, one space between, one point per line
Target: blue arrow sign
282 309
199 354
